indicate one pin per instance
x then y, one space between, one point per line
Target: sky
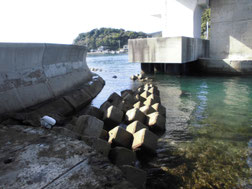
60 21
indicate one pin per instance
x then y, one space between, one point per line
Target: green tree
206 17
108 37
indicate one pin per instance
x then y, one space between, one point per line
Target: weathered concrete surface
231 39
38 158
33 73
175 50
62 106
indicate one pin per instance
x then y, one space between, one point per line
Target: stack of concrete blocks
142 112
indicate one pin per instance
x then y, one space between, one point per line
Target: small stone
114 77
145 140
135 115
120 137
98 144
138 105
147 109
159 108
135 126
156 121
122 156
88 125
135 175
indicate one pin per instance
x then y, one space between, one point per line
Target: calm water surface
208 138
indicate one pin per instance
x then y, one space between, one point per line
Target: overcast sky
60 21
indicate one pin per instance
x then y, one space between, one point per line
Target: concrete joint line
64 173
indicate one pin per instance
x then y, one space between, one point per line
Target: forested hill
108 37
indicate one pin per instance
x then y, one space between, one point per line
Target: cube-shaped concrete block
93 111
104 135
135 115
145 94
136 126
125 92
88 125
147 109
129 98
105 106
120 137
115 99
98 144
113 115
125 106
138 105
159 108
122 156
155 91
135 175
156 121
154 97
145 140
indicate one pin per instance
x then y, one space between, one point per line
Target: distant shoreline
104 54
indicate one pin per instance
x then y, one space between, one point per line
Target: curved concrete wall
33 73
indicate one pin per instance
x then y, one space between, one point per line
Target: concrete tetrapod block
120 137
138 105
139 98
93 111
145 140
88 125
112 117
105 106
154 97
78 98
125 106
159 108
125 92
136 126
147 109
134 175
98 144
149 102
104 135
154 90
145 94
115 99
122 156
129 98
135 115
156 121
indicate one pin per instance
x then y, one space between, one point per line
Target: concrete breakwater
123 129
34 73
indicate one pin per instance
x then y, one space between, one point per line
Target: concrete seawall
33 73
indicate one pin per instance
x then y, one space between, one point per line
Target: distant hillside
107 37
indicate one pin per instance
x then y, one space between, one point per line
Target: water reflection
208 138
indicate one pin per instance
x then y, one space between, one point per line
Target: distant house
102 48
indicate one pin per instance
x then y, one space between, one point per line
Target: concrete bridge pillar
183 18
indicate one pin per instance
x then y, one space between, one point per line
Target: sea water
208 138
